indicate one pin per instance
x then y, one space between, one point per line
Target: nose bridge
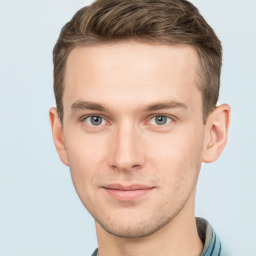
126 152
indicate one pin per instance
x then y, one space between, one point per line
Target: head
168 22
136 85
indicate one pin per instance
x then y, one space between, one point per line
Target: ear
57 134
216 133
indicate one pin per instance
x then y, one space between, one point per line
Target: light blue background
40 213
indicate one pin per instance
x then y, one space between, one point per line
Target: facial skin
136 171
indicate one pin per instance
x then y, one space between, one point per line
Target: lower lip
127 195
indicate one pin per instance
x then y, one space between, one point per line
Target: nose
126 152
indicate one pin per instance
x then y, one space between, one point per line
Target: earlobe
216 133
57 134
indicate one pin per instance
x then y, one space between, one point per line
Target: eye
94 120
160 120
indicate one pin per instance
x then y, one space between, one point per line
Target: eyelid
83 117
173 118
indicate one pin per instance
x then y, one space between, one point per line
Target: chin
135 227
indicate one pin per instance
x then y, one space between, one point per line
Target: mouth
127 193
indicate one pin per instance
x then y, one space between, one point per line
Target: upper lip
127 187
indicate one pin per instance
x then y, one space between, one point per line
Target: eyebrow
86 105
164 105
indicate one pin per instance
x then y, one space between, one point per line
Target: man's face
133 132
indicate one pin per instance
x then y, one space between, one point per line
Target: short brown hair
147 21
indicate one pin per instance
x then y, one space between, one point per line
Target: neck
178 237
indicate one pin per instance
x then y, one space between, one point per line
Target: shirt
211 241
212 245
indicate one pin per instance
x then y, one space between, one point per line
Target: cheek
85 156
176 161
176 156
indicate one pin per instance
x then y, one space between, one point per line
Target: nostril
127 167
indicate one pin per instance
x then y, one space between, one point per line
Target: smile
127 193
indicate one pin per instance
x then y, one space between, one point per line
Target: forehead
131 73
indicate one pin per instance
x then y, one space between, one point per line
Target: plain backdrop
40 213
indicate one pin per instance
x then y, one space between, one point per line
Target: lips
131 192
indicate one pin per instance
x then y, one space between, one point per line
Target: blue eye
160 120
95 120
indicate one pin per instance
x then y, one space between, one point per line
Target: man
136 84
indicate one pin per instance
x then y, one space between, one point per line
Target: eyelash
172 119
164 125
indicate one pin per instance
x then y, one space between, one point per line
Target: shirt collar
212 244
